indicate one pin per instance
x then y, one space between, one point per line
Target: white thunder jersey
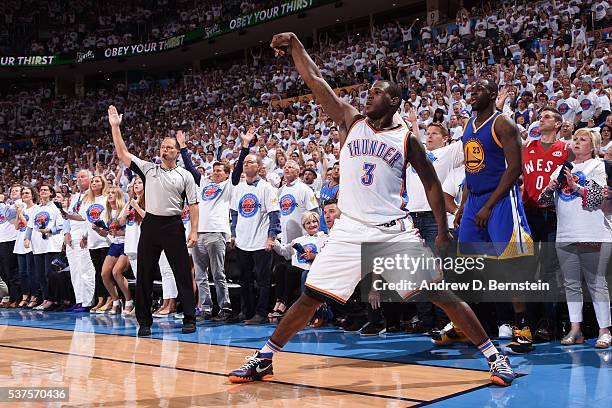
372 174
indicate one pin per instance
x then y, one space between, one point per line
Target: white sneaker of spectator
505 332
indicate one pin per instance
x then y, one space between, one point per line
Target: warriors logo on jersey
474 156
94 212
248 205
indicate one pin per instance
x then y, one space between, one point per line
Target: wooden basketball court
121 371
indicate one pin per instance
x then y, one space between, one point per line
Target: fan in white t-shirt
295 199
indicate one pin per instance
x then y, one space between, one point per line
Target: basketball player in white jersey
375 150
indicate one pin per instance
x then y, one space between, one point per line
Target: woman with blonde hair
93 209
584 233
115 262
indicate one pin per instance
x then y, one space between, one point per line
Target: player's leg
511 236
259 365
462 315
334 274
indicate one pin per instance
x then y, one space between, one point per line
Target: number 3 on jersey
368 177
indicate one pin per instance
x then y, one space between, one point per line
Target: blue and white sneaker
501 372
256 368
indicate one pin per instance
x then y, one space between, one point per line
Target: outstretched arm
246 139
122 152
341 112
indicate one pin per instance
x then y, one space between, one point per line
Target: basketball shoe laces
251 362
501 366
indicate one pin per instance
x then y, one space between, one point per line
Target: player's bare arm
341 112
433 189
120 148
509 136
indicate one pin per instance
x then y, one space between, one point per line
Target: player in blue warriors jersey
492 222
375 150
492 219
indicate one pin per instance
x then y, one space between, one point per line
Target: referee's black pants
159 234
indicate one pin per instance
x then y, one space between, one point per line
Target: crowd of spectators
33 27
550 54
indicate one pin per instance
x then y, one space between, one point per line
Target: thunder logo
115 226
308 248
248 205
211 192
185 215
94 212
565 192
131 218
41 220
287 204
23 225
586 104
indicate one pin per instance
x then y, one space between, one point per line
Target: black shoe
543 333
144 331
188 328
62 307
371 329
52 308
239 318
257 319
418 327
256 368
394 329
354 326
203 316
224 316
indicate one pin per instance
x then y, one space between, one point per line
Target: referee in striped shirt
167 186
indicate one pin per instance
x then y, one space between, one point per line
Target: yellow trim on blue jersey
483 123
467 122
511 250
495 138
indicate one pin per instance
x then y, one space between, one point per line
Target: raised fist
280 41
